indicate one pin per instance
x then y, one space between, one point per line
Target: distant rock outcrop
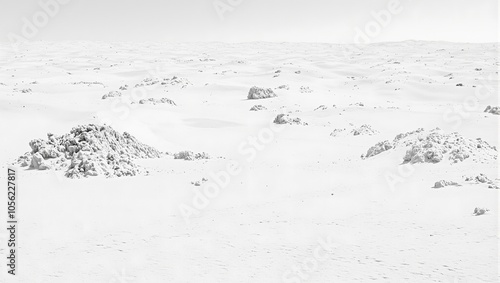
378 148
479 211
364 130
305 89
287 119
258 108
260 93
174 81
189 155
112 94
321 107
435 146
443 183
359 131
88 150
492 110
155 101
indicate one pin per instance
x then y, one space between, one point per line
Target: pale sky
337 21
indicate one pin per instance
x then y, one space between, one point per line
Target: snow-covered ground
279 203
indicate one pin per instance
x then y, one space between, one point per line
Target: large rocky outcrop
88 150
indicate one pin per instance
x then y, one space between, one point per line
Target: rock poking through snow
260 93
174 81
305 89
282 119
492 110
435 146
481 178
198 183
258 108
112 94
355 131
377 149
337 132
189 155
155 101
443 183
88 150
364 130
480 211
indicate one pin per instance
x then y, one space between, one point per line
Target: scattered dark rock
155 101
112 94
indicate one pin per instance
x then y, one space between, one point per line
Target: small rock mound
26 90
260 93
434 146
321 107
189 155
378 148
481 178
258 108
337 132
174 81
155 101
443 183
364 130
479 211
359 104
282 119
492 110
198 183
88 150
359 131
112 94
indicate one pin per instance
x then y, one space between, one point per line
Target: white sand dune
296 186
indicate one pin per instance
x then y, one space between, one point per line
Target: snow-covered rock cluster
435 146
492 110
189 155
258 108
355 131
260 93
155 101
287 119
88 150
174 81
